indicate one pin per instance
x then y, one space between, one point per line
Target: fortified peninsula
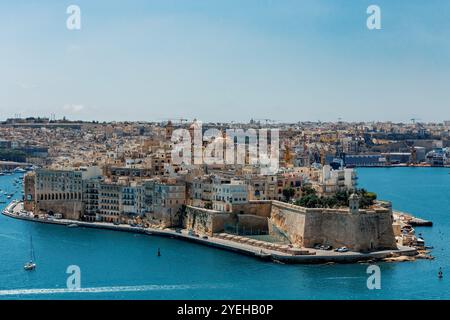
268 229
298 207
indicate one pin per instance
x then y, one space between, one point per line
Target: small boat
31 265
420 242
72 225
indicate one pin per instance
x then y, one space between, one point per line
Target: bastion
361 230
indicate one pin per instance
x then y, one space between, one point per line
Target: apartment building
61 191
331 181
167 201
91 198
201 192
227 194
262 187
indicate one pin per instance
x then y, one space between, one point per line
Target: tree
208 205
307 190
310 199
288 193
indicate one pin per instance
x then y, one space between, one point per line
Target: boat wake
143 288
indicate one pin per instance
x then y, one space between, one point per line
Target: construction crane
181 120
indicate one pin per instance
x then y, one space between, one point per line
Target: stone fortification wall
204 221
366 230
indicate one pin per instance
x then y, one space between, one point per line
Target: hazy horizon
225 60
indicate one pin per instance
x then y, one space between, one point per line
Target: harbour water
117 265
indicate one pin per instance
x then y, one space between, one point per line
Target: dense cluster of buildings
147 145
94 194
122 172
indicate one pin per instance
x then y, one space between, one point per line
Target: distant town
123 174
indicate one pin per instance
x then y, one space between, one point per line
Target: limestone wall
365 231
290 220
257 208
204 221
252 222
29 192
68 208
163 219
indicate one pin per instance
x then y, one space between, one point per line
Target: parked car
342 249
323 247
192 233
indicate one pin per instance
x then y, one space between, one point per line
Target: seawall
249 250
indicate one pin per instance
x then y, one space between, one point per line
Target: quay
225 242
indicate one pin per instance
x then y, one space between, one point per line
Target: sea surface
116 265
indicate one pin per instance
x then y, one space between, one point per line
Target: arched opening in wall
53 196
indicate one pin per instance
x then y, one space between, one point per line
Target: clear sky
223 60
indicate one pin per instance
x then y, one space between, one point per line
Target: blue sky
223 60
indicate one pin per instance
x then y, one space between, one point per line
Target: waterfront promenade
309 256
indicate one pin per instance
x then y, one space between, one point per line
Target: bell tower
353 203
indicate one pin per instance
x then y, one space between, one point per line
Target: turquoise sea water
117 265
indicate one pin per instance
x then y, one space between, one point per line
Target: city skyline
219 61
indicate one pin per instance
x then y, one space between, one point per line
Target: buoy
159 253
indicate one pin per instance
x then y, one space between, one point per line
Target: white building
332 181
227 194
